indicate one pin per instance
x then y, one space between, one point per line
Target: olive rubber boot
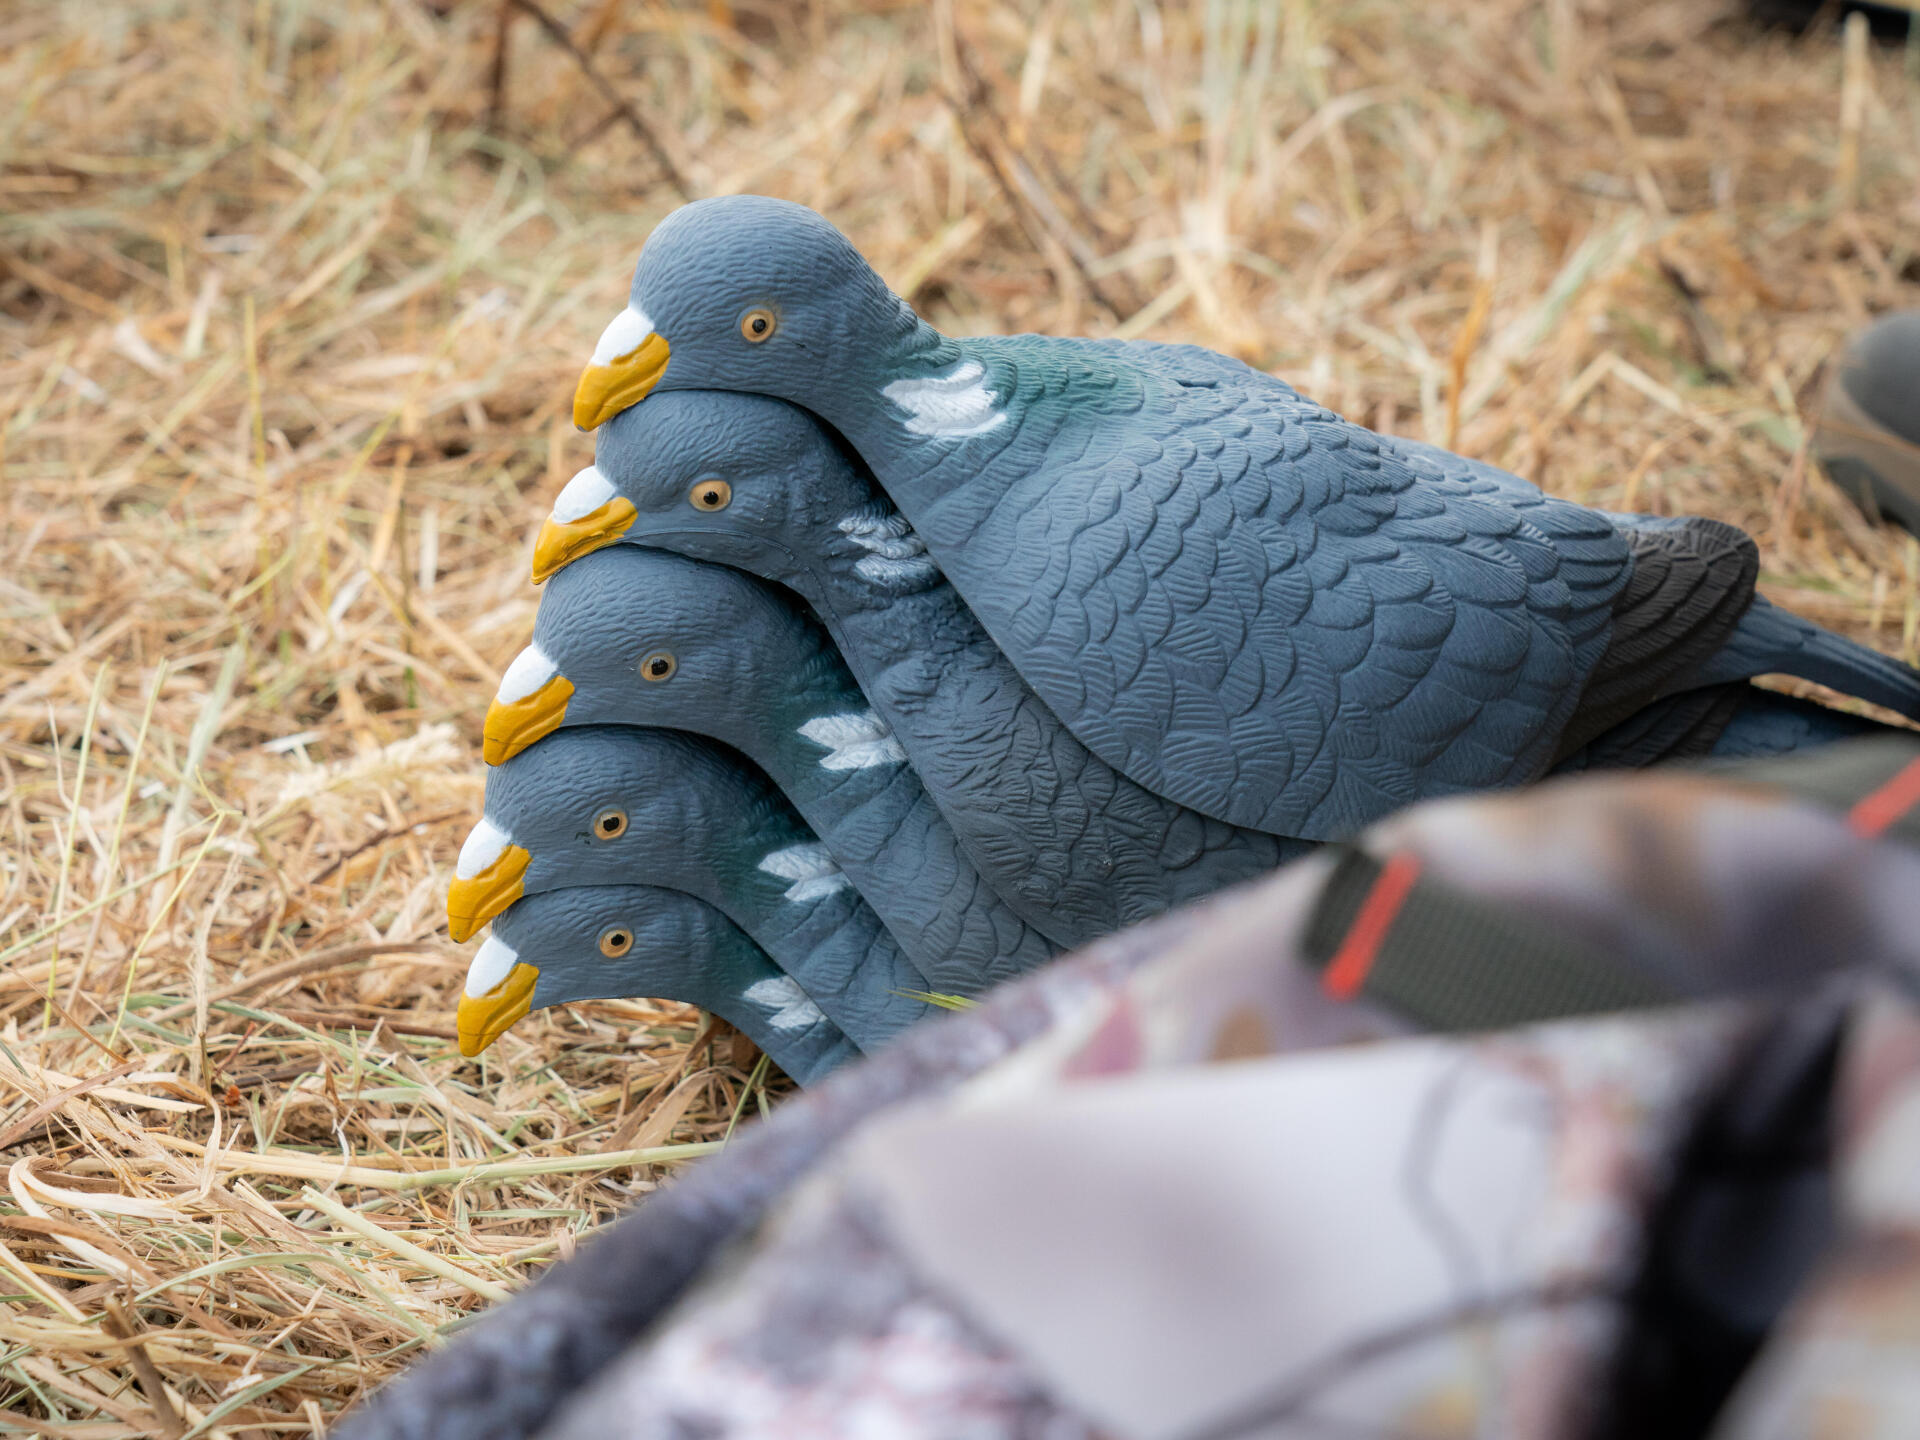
1868 433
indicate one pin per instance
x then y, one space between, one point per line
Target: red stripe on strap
1347 971
1880 809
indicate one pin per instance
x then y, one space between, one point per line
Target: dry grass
289 318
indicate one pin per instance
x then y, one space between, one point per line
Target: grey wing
1280 619
907 863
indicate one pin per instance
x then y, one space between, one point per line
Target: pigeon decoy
642 637
619 805
1236 597
1077 848
612 942
1081 850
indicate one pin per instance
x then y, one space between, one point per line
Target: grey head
609 805
620 804
747 481
632 636
752 294
613 942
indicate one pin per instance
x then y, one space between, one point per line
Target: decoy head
746 293
741 479
604 804
633 636
603 942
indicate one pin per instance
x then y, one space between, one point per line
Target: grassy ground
292 297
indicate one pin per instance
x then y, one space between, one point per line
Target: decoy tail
1771 640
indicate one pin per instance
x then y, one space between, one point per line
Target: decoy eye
757 325
615 941
711 495
609 824
658 666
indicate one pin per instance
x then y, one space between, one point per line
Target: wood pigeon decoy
641 637
611 942
1232 595
619 805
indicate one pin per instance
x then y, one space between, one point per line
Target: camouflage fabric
1199 1181
1845 1362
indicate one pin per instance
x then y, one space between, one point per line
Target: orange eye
615 941
757 325
711 495
609 824
658 666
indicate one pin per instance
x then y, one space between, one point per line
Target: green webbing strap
1452 961
1875 783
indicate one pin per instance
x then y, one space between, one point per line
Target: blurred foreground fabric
1209 1178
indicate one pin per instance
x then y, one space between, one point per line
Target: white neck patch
812 869
585 493
950 406
485 844
622 336
854 741
529 671
491 964
896 553
790 1007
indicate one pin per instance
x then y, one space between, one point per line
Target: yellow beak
605 390
472 903
515 724
562 542
484 1019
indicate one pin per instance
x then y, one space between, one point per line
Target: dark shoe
1891 21
1868 434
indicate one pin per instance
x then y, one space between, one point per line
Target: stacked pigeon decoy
875 665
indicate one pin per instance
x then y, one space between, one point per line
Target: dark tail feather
1770 640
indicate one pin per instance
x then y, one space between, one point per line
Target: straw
292 300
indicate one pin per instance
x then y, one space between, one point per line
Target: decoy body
1077 848
610 942
641 637
619 805
1235 597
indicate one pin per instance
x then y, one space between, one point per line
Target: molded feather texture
1236 598
1769 639
1728 721
1073 846
1679 727
1251 606
753 671
1692 581
897 558
694 817
785 1005
680 949
854 741
812 869
951 405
